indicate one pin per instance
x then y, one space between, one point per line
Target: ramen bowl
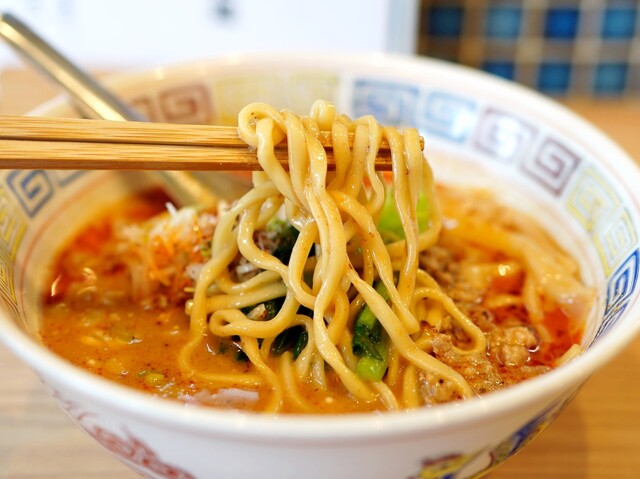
480 131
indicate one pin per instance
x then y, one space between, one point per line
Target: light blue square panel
554 77
503 22
610 78
619 22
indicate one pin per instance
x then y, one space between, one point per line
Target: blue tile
445 21
610 78
504 69
503 22
554 78
618 22
561 23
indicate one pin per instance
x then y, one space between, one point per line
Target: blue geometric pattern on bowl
34 188
447 116
390 103
620 289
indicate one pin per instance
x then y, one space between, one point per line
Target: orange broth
90 319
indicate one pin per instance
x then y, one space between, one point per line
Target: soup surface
115 305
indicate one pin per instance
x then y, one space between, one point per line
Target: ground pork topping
513 345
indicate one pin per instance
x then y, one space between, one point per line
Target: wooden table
596 437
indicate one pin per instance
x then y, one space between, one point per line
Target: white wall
120 33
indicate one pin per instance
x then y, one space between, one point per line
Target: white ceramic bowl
479 130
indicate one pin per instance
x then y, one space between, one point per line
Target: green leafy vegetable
300 344
373 369
241 356
292 339
273 307
389 221
370 341
284 237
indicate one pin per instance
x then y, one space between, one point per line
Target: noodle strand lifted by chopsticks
336 214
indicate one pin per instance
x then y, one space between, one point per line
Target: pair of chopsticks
61 143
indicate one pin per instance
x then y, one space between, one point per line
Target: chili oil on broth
103 314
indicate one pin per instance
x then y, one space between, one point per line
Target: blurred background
115 35
560 47
121 33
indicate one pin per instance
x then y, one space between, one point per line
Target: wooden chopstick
69 143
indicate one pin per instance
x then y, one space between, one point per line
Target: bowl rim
335 426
